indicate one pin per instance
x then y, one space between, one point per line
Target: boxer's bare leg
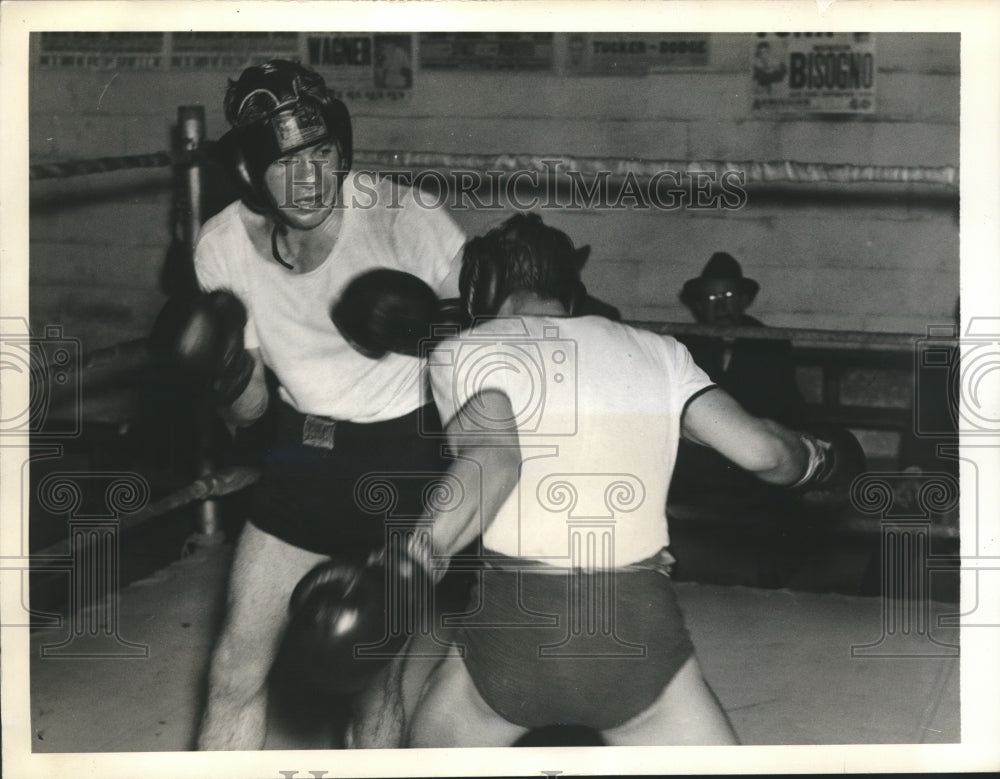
377 721
264 573
686 713
451 713
382 712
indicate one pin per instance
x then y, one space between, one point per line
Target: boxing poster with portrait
363 66
813 73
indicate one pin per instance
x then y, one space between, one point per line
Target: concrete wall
848 257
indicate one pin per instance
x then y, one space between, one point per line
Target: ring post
191 121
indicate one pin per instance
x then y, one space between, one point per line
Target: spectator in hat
760 375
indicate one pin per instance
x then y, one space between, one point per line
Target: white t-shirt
289 314
598 408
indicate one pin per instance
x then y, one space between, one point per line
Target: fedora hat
720 266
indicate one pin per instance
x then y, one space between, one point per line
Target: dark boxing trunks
557 648
337 491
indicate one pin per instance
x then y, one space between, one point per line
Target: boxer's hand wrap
420 552
834 461
818 465
203 339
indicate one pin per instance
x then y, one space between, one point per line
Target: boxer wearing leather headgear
285 127
278 109
629 396
540 258
285 252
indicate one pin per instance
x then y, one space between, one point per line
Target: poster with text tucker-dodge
813 73
635 53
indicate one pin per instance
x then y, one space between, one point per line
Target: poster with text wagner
813 73
363 66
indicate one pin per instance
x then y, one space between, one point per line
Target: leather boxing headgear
277 109
521 255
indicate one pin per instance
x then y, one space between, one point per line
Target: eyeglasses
712 297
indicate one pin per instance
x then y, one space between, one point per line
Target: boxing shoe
202 338
385 310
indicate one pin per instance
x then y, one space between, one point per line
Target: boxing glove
202 337
835 459
343 627
384 310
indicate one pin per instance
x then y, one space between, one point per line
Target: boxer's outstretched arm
487 465
771 451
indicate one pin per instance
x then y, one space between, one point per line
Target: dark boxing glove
835 459
385 310
343 627
203 338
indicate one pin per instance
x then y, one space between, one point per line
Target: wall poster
813 73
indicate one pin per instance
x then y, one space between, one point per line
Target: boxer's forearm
770 451
789 456
487 464
488 475
252 402
247 408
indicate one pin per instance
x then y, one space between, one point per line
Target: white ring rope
754 172
781 171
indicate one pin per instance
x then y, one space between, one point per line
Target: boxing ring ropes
90 553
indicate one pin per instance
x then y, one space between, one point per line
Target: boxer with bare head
565 470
